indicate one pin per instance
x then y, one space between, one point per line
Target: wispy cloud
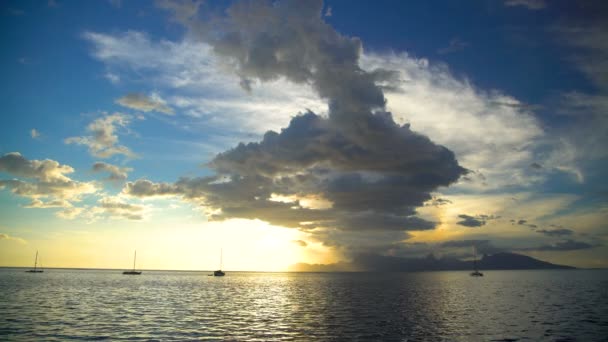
34 133
567 245
456 44
533 5
118 209
12 238
145 103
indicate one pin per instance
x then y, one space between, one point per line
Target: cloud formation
370 172
103 141
145 103
47 184
373 172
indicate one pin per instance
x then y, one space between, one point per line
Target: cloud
470 221
533 5
489 132
145 103
34 133
48 185
115 3
464 248
588 47
475 221
116 173
567 245
12 238
495 140
536 166
43 170
113 78
436 202
209 93
145 188
372 171
70 213
108 207
300 243
556 232
118 209
103 141
456 44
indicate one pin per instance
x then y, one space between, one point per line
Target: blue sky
115 113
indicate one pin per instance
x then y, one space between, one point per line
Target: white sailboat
35 270
133 271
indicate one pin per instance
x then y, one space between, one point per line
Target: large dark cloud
370 172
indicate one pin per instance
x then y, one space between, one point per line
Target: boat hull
218 273
131 272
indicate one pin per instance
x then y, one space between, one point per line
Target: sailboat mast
221 258
134 259
36 261
474 258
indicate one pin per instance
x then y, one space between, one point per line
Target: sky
286 132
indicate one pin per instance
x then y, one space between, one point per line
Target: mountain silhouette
380 263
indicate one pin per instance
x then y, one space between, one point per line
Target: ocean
64 304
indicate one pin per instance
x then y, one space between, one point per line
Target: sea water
62 304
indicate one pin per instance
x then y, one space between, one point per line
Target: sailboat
133 271
220 273
475 272
35 270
